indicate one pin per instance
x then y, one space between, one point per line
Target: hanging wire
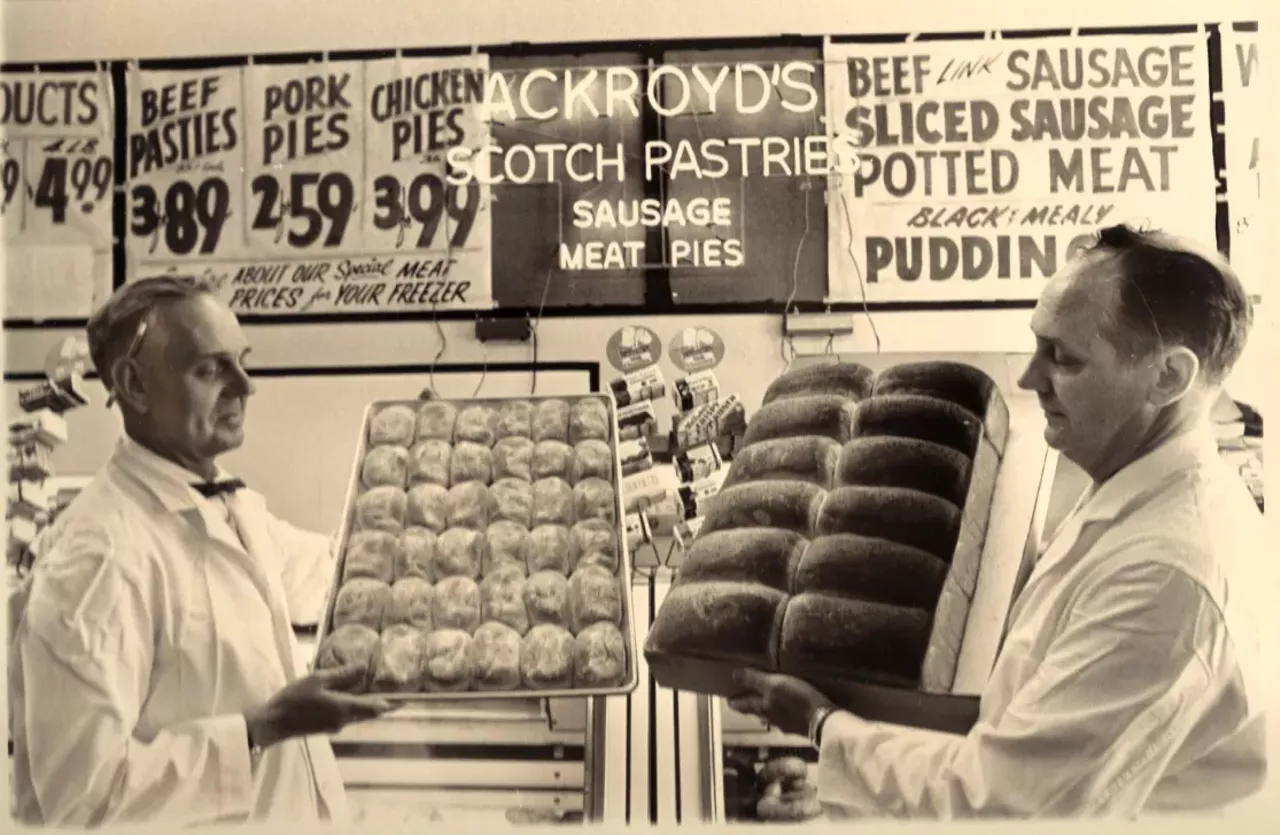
533 330
431 374
484 367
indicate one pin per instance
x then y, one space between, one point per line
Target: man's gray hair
113 327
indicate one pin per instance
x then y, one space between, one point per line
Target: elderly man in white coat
152 671
1129 680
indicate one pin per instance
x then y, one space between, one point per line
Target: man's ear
128 386
1178 371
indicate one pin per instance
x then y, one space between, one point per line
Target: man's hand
786 703
320 703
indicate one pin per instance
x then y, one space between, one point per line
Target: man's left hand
786 703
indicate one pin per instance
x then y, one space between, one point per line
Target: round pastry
470 505
546 658
429 462
549 549
591 459
595 596
507 544
512 500
385 466
456 604
502 598
470 462
515 419
546 598
551 459
789 771
361 601
435 421
428 507
513 458
553 502
477 424
409 604
778 805
495 657
352 644
398 668
551 421
599 656
588 420
370 554
446 661
459 553
381 509
593 499
415 554
392 425
593 542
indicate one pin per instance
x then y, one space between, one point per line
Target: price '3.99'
187 216
425 201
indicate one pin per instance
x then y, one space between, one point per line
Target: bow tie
210 489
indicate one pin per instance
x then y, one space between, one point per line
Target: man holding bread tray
152 672
1129 680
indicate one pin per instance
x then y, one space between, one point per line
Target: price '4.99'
73 172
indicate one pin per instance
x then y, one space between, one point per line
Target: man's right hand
320 703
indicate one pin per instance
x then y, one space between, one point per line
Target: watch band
819 718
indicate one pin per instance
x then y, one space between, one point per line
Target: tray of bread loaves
845 544
481 553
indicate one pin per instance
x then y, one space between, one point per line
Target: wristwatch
819 718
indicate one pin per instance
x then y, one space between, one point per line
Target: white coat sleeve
1091 733
86 645
307 571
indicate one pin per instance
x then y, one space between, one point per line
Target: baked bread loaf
456 604
459 553
591 459
361 601
398 668
546 598
599 656
513 458
352 644
595 596
415 554
446 665
436 419
594 542
546 658
429 462
381 509
513 501
551 459
549 549
551 421
477 424
409 604
495 657
470 462
589 420
846 539
427 507
392 425
502 598
553 502
470 505
371 554
507 543
515 420
385 466
593 499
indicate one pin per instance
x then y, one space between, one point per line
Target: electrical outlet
818 324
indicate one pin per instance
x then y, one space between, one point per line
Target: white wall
60 30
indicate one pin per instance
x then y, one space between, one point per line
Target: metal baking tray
631 678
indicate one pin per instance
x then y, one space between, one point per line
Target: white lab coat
1129 680
147 631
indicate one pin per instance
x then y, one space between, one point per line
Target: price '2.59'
425 200
333 202
188 216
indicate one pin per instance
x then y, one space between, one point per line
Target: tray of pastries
845 543
481 553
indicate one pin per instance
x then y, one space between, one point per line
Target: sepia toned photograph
640 414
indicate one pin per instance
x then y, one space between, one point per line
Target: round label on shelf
696 349
69 357
632 348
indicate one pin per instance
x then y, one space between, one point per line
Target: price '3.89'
187 216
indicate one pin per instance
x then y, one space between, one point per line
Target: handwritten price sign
305 126
421 204
186 155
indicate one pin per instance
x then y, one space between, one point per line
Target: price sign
186 158
305 129
56 168
417 110
1246 108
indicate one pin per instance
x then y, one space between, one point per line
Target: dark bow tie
210 489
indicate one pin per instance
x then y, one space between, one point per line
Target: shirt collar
169 482
1149 474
